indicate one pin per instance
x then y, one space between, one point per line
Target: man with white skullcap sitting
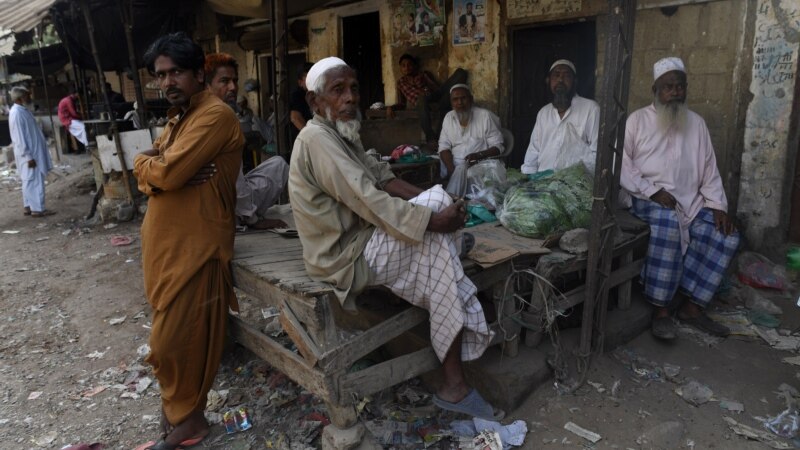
566 129
669 169
469 133
360 226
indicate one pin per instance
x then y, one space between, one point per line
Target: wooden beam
293 328
288 363
343 356
388 373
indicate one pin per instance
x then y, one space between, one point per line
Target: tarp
23 15
151 19
54 58
262 9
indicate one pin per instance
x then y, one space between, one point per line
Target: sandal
664 328
164 445
472 405
42 213
26 212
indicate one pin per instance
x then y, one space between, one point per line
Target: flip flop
42 213
472 405
164 445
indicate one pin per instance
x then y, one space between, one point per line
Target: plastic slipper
119 241
163 445
472 405
42 213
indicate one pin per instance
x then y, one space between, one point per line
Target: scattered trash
21 269
694 393
216 400
778 342
755 434
757 302
96 354
487 440
757 270
663 435
510 435
42 238
731 406
95 446
34 395
615 386
737 322
97 256
94 391
143 384
10 231
236 420
120 241
671 371
111 225
598 386
590 436
785 424
117 320
143 350
46 440
763 319
129 260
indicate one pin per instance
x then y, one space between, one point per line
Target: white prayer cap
460 86
316 71
665 65
563 62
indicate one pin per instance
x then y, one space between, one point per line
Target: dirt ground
75 319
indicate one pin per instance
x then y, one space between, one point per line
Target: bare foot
166 427
268 224
194 426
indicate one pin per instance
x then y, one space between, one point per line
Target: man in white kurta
566 129
30 153
670 170
469 133
361 226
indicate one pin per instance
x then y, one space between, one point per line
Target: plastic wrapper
785 424
458 181
486 182
758 271
549 205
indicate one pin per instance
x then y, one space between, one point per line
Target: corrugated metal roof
23 15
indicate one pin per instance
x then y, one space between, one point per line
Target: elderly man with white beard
669 169
360 226
469 133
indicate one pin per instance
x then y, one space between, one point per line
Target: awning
23 15
262 9
54 57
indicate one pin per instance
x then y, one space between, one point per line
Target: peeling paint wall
765 161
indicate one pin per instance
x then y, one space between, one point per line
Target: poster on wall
418 23
469 21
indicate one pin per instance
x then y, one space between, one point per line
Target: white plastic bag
486 181
458 181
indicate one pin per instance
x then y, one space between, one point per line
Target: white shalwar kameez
29 144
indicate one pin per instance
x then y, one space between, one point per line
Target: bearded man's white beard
464 116
349 129
671 115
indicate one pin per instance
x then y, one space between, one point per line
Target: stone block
506 382
624 325
687 25
723 23
335 438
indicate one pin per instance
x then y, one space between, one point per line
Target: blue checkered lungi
699 272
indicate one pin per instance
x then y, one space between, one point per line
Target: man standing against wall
187 237
30 153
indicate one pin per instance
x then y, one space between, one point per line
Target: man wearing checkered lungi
669 169
361 226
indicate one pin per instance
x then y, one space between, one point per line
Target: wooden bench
269 268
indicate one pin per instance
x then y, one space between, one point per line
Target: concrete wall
708 37
769 156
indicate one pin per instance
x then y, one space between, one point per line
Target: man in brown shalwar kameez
187 237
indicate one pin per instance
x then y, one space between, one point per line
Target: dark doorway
533 51
794 140
361 42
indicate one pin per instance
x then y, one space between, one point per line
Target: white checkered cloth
429 275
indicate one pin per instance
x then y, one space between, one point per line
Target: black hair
183 51
406 56
425 14
469 4
304 70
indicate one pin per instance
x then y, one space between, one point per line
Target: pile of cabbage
549 204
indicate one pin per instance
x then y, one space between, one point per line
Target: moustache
174 91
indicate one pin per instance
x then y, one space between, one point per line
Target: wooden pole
126 9
76 72
280 57
616 82
87 15
39 32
